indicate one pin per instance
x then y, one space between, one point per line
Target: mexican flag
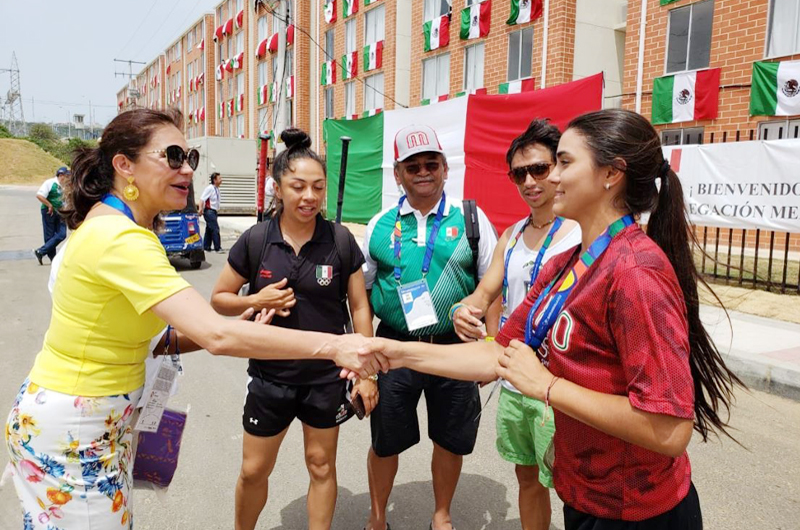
261 51
228 28
686 97
290 35
475 132
290 86
477 92
240 103
437 33
238 61
218 34
272 45
221 110
273 92
328 76
229 110
240 19
330 11
202 45
515 87
221 72
202 114
350 8
229 66
523 11
373 56
263 94
475 20
349 65
368 2
776 89
370 113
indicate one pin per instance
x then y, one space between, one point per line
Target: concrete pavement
764 352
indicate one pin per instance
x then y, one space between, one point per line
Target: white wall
600 43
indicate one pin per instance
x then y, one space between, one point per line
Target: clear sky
66 50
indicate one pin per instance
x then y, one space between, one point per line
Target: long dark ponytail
627 141
92 172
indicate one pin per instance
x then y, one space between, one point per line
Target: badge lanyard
117 204
537 265
398 234
535 338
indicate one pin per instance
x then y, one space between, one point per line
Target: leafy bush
4 133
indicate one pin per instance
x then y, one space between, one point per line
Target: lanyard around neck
534 338
116 203
398 236
537 265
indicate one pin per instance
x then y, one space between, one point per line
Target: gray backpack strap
341 237
472 230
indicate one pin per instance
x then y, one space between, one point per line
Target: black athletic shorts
685 516
270 407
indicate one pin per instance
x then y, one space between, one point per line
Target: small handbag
157 452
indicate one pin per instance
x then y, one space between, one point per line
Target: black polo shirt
314 275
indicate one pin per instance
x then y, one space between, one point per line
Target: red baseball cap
415 139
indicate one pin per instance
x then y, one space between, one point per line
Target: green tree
42 132
4 133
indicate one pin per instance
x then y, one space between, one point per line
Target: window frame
347 37
465 77
434 10
371 15
349 93
770 7
521 33
436 58
684 132
330 106
376 93
690 7
330 44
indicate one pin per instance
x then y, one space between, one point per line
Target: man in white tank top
520 255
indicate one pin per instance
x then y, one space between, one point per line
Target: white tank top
521 263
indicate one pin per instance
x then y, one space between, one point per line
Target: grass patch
750 269
23 162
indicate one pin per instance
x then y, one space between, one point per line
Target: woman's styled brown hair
92 172
625 140
298 145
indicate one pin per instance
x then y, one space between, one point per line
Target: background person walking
50 194
209 206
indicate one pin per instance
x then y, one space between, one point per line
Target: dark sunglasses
176 156
414 169
538 171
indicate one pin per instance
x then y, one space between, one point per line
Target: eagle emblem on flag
475 20
684 97
524 4
435 32
791 88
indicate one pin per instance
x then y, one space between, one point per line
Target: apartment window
350 98
783 33
330 38
329 103
436 76
262 28
276 23
350 36
262 73
190 40
688 136
190 70
240 125
240 42
230 87
473 67
263 124
373 92
231 133
436 8
520 54
239 5
689 36
779 130
373 25
178 49
230 48
239 84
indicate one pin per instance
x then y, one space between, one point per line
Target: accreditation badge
415 299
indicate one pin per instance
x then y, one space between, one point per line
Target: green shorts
521 438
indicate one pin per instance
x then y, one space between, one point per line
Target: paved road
754 488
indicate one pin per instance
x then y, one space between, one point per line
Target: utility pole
281 118
16 116
130 75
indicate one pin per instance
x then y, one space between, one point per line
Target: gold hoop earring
130 192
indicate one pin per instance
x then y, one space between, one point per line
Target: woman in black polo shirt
298 273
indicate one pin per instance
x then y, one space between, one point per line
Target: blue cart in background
181 233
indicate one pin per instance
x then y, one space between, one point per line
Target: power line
138 27
164 21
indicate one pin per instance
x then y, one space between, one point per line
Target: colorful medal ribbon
535 338
398 234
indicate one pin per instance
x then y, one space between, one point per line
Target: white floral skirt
71 458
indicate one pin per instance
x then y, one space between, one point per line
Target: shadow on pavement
411 506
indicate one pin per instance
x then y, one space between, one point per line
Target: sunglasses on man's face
414 169
176 156
538 171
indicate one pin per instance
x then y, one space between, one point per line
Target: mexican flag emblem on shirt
436 33
324 274
775 89
373 56
476 20
523 11
686 97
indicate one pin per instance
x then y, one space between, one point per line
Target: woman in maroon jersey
621 354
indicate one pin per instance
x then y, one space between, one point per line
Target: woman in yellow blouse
69 431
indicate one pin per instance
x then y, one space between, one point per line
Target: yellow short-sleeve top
113 272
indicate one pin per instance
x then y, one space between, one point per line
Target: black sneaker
38 256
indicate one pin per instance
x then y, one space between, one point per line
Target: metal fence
758 259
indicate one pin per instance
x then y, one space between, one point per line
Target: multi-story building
695 35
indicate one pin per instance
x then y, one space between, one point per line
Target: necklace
539 227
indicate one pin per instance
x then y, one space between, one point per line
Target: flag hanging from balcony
261 51
437 33
228 28
240 103
218 34
328 76
515 87
373 56
272 45
350 8
202 45
229 65
290 35
437 99
775 89
221 71
370 113
221 110
475 20
523 11
330 11
477 92
368 2
686 97
238 61
273 92
229 110
349 65
240 19
290 86
263 94
203 114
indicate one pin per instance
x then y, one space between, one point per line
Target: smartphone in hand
357 405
